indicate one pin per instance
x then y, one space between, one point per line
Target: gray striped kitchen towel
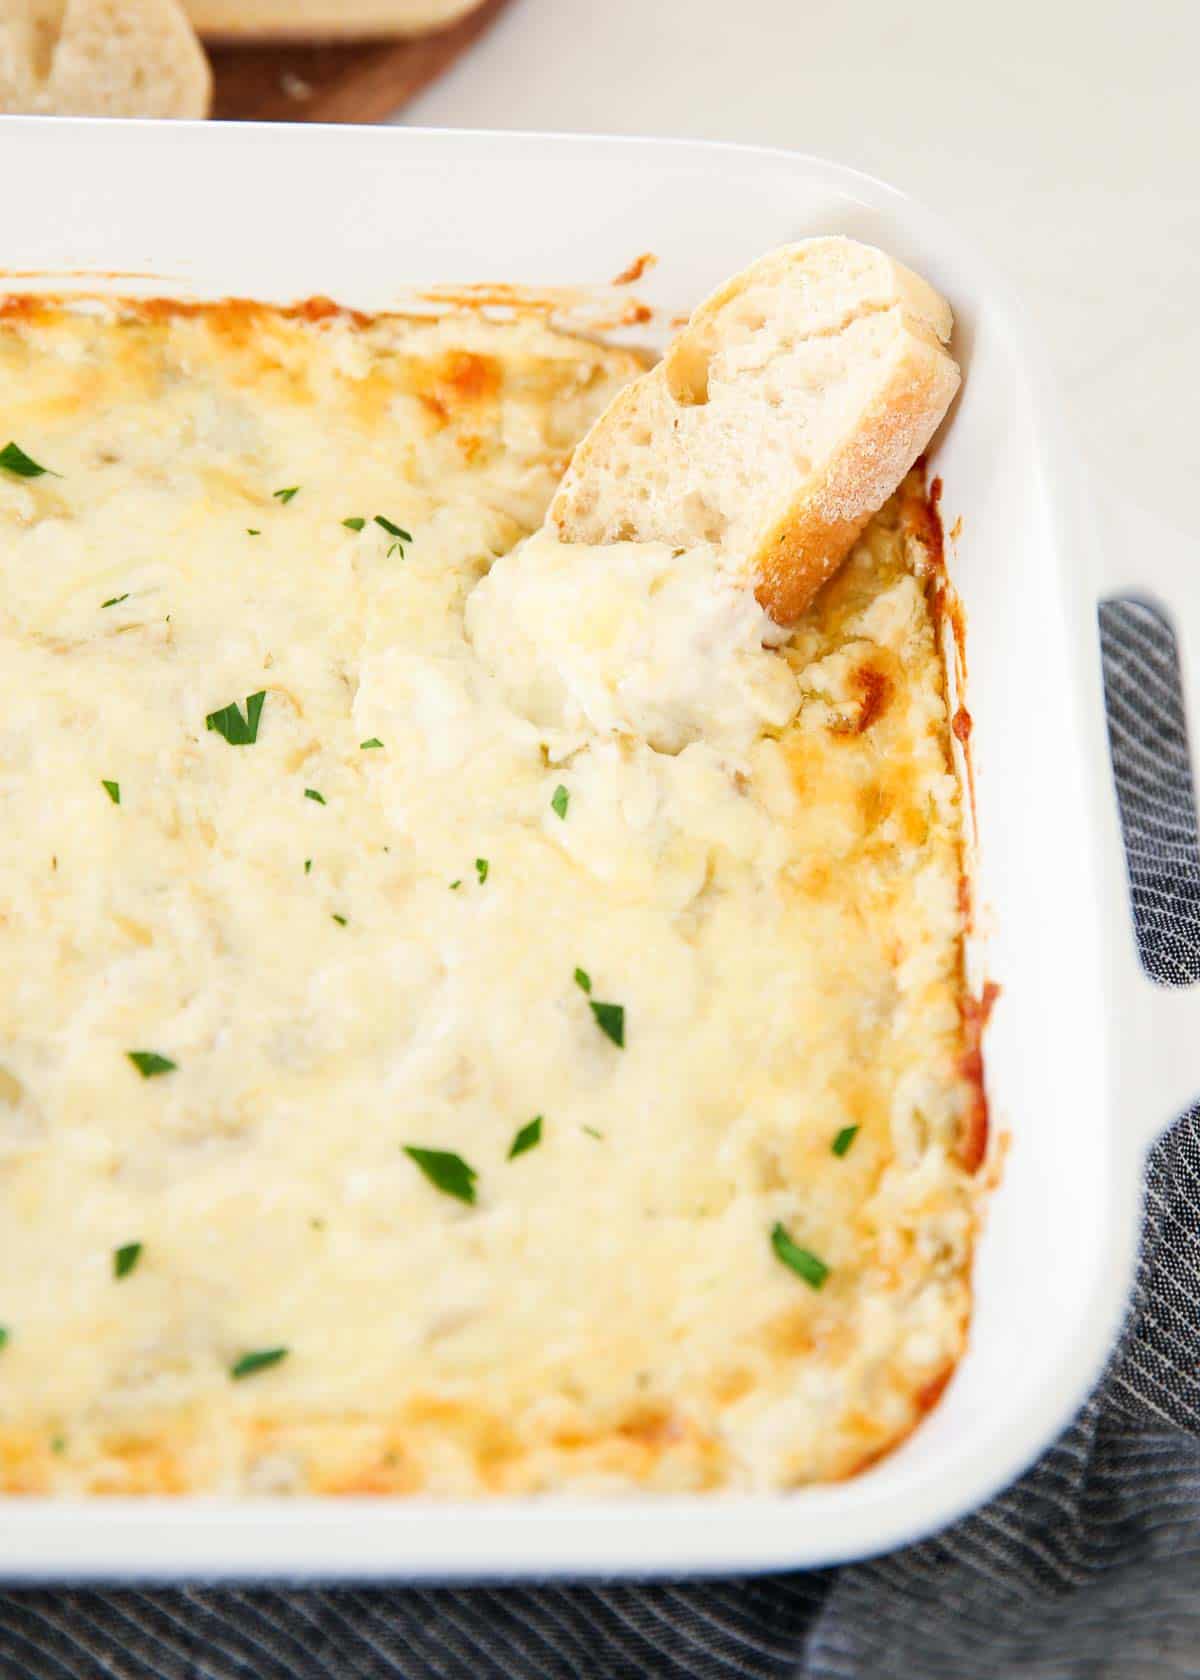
1089 1567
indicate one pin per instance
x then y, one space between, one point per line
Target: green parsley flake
285 496
800 1260
311 793
3 1335
14 460
592 1132
365 746
397 531
610 1018
259 1359
560 801
393 530
454 885
114 600
527 1138
340 920
113 790
308 866
481 869
583 980
126 1258
149 1062
58 1444
239 731
354 524
844 1139
448 1172
251 532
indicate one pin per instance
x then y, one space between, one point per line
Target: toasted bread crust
826 518
825 363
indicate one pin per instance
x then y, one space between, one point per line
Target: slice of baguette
101 58
295 20
781 418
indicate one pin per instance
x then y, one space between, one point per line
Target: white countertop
1062 135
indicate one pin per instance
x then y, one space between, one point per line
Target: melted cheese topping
773 901
631 638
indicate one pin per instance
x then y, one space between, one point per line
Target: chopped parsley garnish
527 1138
126 1258
401 535
239 731
149 1062
311 793
560 801
592 1132
801 1261
114 600
844 1139
354 524
14 460
113 790
259 1359
58 1444
448 1172
3 1335
481 869
251 532
610 1018
364 746
285 496
308 866
454 885
340 920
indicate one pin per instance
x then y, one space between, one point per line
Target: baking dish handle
1145 560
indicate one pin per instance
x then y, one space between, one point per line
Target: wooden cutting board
363 81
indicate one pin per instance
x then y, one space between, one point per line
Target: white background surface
1063 136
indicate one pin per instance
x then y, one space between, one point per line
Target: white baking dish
1085 1059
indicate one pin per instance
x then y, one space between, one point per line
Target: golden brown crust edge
823 523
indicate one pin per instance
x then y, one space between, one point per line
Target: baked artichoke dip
464 1029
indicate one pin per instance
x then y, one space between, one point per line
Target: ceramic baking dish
1086 1060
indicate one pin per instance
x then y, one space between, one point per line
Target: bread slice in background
297 20
782 417
101 58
